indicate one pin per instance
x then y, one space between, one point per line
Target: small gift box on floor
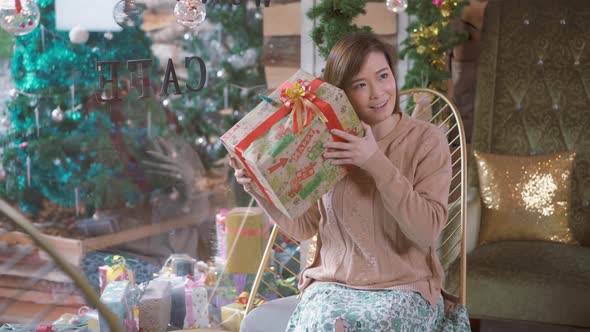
247 242
280 142
155 306
115 270
233 313
196 303
116 297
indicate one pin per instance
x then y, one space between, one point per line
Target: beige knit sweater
377 228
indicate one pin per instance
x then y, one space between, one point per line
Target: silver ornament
127 13
57 114
5 121
396 6
190 13
222 73
19 21
13 93
79 35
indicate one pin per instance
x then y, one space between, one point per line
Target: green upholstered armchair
533 97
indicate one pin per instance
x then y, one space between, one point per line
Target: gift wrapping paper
249 243
155 306
280 143
115 297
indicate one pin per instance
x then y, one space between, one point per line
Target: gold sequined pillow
525 197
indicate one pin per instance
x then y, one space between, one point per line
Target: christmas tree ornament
23 145
222 73
57 114
190 13
19 17
396 6
79 35
13 93
5 121
201 141
174 195
108 35
127 13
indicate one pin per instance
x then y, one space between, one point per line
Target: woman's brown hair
348 55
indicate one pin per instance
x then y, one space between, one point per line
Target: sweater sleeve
302 228
420 208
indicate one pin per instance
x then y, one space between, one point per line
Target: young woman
376 268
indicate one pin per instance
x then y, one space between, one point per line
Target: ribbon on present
117 269
299 99
243 299
45 327
303 95
188 297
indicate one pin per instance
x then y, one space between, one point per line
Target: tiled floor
504 326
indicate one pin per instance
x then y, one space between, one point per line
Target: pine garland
431 38
335 20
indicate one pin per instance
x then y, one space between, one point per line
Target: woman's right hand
242 176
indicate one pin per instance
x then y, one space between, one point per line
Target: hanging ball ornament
79 35
19 17
13 93
127 13
57 114
190 13
5 121
396 6
222 73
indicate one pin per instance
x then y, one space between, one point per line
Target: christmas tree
60 144
231 51
235 79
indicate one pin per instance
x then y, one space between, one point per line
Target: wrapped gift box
280 142
232 315
116 297
155 306
197 305
249 241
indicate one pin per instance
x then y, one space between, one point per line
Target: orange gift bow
299 99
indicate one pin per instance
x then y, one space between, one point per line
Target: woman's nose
375 92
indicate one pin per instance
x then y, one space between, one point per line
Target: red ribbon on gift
44 327
297 98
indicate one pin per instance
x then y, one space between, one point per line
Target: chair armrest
473 218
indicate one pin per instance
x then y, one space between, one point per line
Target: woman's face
372 91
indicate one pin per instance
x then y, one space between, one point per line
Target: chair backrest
533 89
11 306
431 106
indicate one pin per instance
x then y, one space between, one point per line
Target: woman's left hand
355 151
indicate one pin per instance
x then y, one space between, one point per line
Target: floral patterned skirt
325 306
